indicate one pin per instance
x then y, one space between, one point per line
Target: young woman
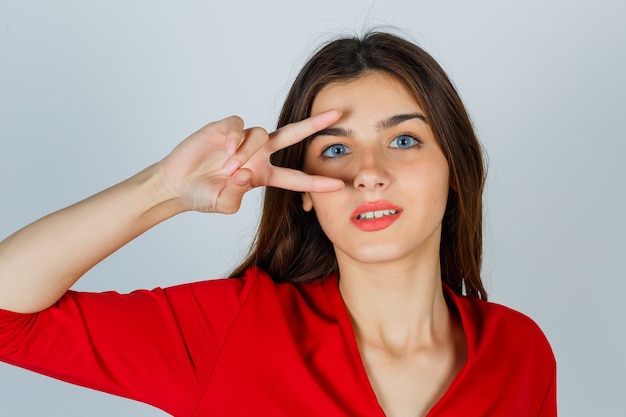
361 295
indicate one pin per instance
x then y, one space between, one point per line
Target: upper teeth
376 214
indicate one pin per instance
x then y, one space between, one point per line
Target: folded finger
232 129
252 140
238 184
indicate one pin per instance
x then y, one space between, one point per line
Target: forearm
210 171
39 263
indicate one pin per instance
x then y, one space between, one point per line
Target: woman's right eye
335 150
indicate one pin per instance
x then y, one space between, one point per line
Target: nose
372 174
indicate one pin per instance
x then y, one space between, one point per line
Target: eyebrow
380 126
397 119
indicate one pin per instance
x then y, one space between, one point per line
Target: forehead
373 92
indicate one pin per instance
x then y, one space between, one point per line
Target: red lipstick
374 216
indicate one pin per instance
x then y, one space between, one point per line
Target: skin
390 279
210 171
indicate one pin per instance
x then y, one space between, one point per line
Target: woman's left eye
404 142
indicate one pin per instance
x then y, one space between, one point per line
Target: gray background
92 92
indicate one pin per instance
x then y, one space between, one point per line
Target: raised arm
210 172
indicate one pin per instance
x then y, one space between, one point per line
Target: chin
375 254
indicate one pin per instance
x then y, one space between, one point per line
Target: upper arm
549 405
153 346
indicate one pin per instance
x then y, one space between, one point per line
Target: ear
307 202
453 184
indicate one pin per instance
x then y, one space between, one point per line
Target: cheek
322 203
326 210
438 181
440 189
433 187
336 170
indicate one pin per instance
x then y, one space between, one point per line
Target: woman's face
396 176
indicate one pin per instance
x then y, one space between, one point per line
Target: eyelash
414 141
329 152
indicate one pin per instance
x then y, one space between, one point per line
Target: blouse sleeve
549 406
157 347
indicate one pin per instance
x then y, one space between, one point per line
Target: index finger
298 131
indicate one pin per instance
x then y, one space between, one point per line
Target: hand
211 170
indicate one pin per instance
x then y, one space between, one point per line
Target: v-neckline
331 285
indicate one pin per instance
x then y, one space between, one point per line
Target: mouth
376 214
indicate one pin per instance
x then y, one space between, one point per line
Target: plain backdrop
93 91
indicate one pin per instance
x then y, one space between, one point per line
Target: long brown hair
290 244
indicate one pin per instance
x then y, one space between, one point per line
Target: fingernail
230 166
231 148
242 177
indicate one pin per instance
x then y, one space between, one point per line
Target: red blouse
248 347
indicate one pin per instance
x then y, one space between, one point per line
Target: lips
375 216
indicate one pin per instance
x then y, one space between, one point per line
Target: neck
399 309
